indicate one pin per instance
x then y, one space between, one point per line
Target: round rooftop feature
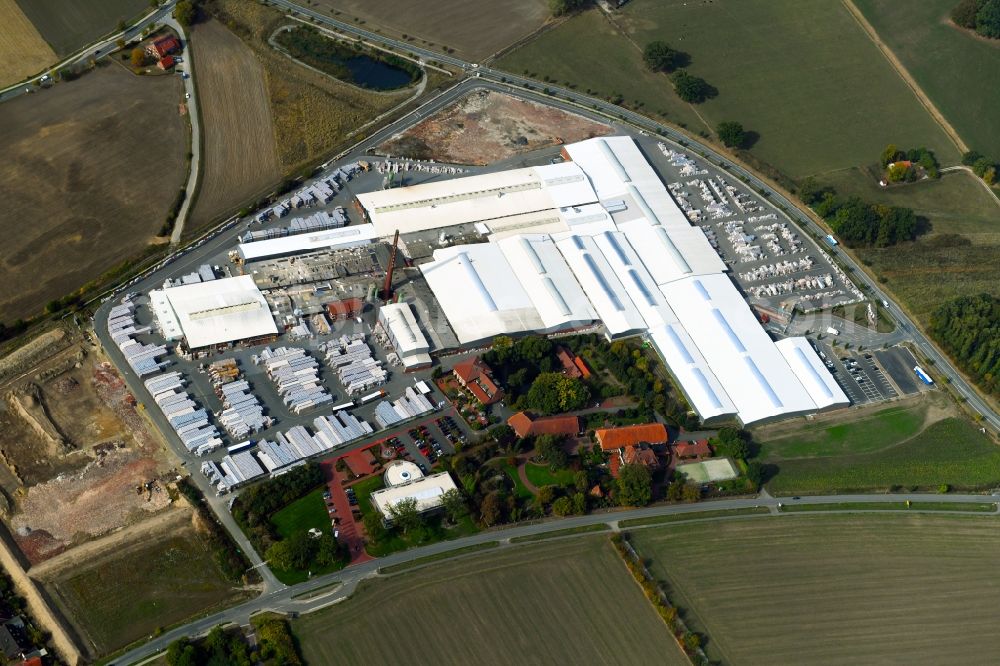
399 472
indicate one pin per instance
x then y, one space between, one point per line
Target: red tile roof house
692 450
477 378
633 444
163 46
166 62
526 425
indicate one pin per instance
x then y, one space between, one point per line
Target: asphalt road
583 102
187 65
284 601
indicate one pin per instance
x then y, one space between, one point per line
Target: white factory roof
426 490
403 326
328 239
704 391
602 286
479 198
548 281
480 293
169 325
738 351
635 279
221 311
674 253
818 382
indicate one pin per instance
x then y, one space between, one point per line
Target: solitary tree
562 506
635 485
491 510
691 89
404 514
454 505
731 134
185 12
138 57
659 57
549 448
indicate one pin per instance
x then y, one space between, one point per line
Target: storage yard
486 127
73 210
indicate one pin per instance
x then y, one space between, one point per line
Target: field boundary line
968 170
904 74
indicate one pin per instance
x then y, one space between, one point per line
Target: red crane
387 286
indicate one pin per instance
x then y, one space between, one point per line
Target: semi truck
924 377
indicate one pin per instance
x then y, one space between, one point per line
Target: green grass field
825 589
837 107
958 256
884 449
916 507
960 73
542 475
302 514
127 597
560 602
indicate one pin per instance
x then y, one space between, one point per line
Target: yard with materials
239 155
836 107
80 198
472 29
956 258
872 588
69 25
139 589
957 70
917 445
23 52
495 598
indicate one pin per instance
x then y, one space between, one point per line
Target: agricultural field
69 25
312 113
23 52
239 155
473 29
956 258
79 198
959 71
839 105
485 127
520 605
919 443
840 589
143 586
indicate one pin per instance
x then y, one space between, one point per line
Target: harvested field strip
515 606
841 589
916 507
69 25
23 52
239 156
475 548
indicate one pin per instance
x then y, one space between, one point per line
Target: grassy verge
958 507
698 515
396 568
582 529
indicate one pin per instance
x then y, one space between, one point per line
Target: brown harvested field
486 126
23 52
69 25
89 169
834 589
74 455
239 156
312 112
475 29
564 602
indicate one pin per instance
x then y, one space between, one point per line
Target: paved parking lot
858 375
899 363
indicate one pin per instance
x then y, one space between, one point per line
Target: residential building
477 377
526 425
612 439
159 48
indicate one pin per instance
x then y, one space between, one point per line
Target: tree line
982 166
858 223
968 328
983 16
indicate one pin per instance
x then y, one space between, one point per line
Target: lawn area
542 475
861 589
958 256
869 431
125 597
520 490
302 514
695 515
569 531
432 532
554 603
958 507
951 451
837 107
959 72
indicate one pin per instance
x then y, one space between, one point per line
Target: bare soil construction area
89 169
79 460
239 155
474 29
486 127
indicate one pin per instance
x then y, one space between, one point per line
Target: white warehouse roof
220 311
820 384
402 325
328 239
427 491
